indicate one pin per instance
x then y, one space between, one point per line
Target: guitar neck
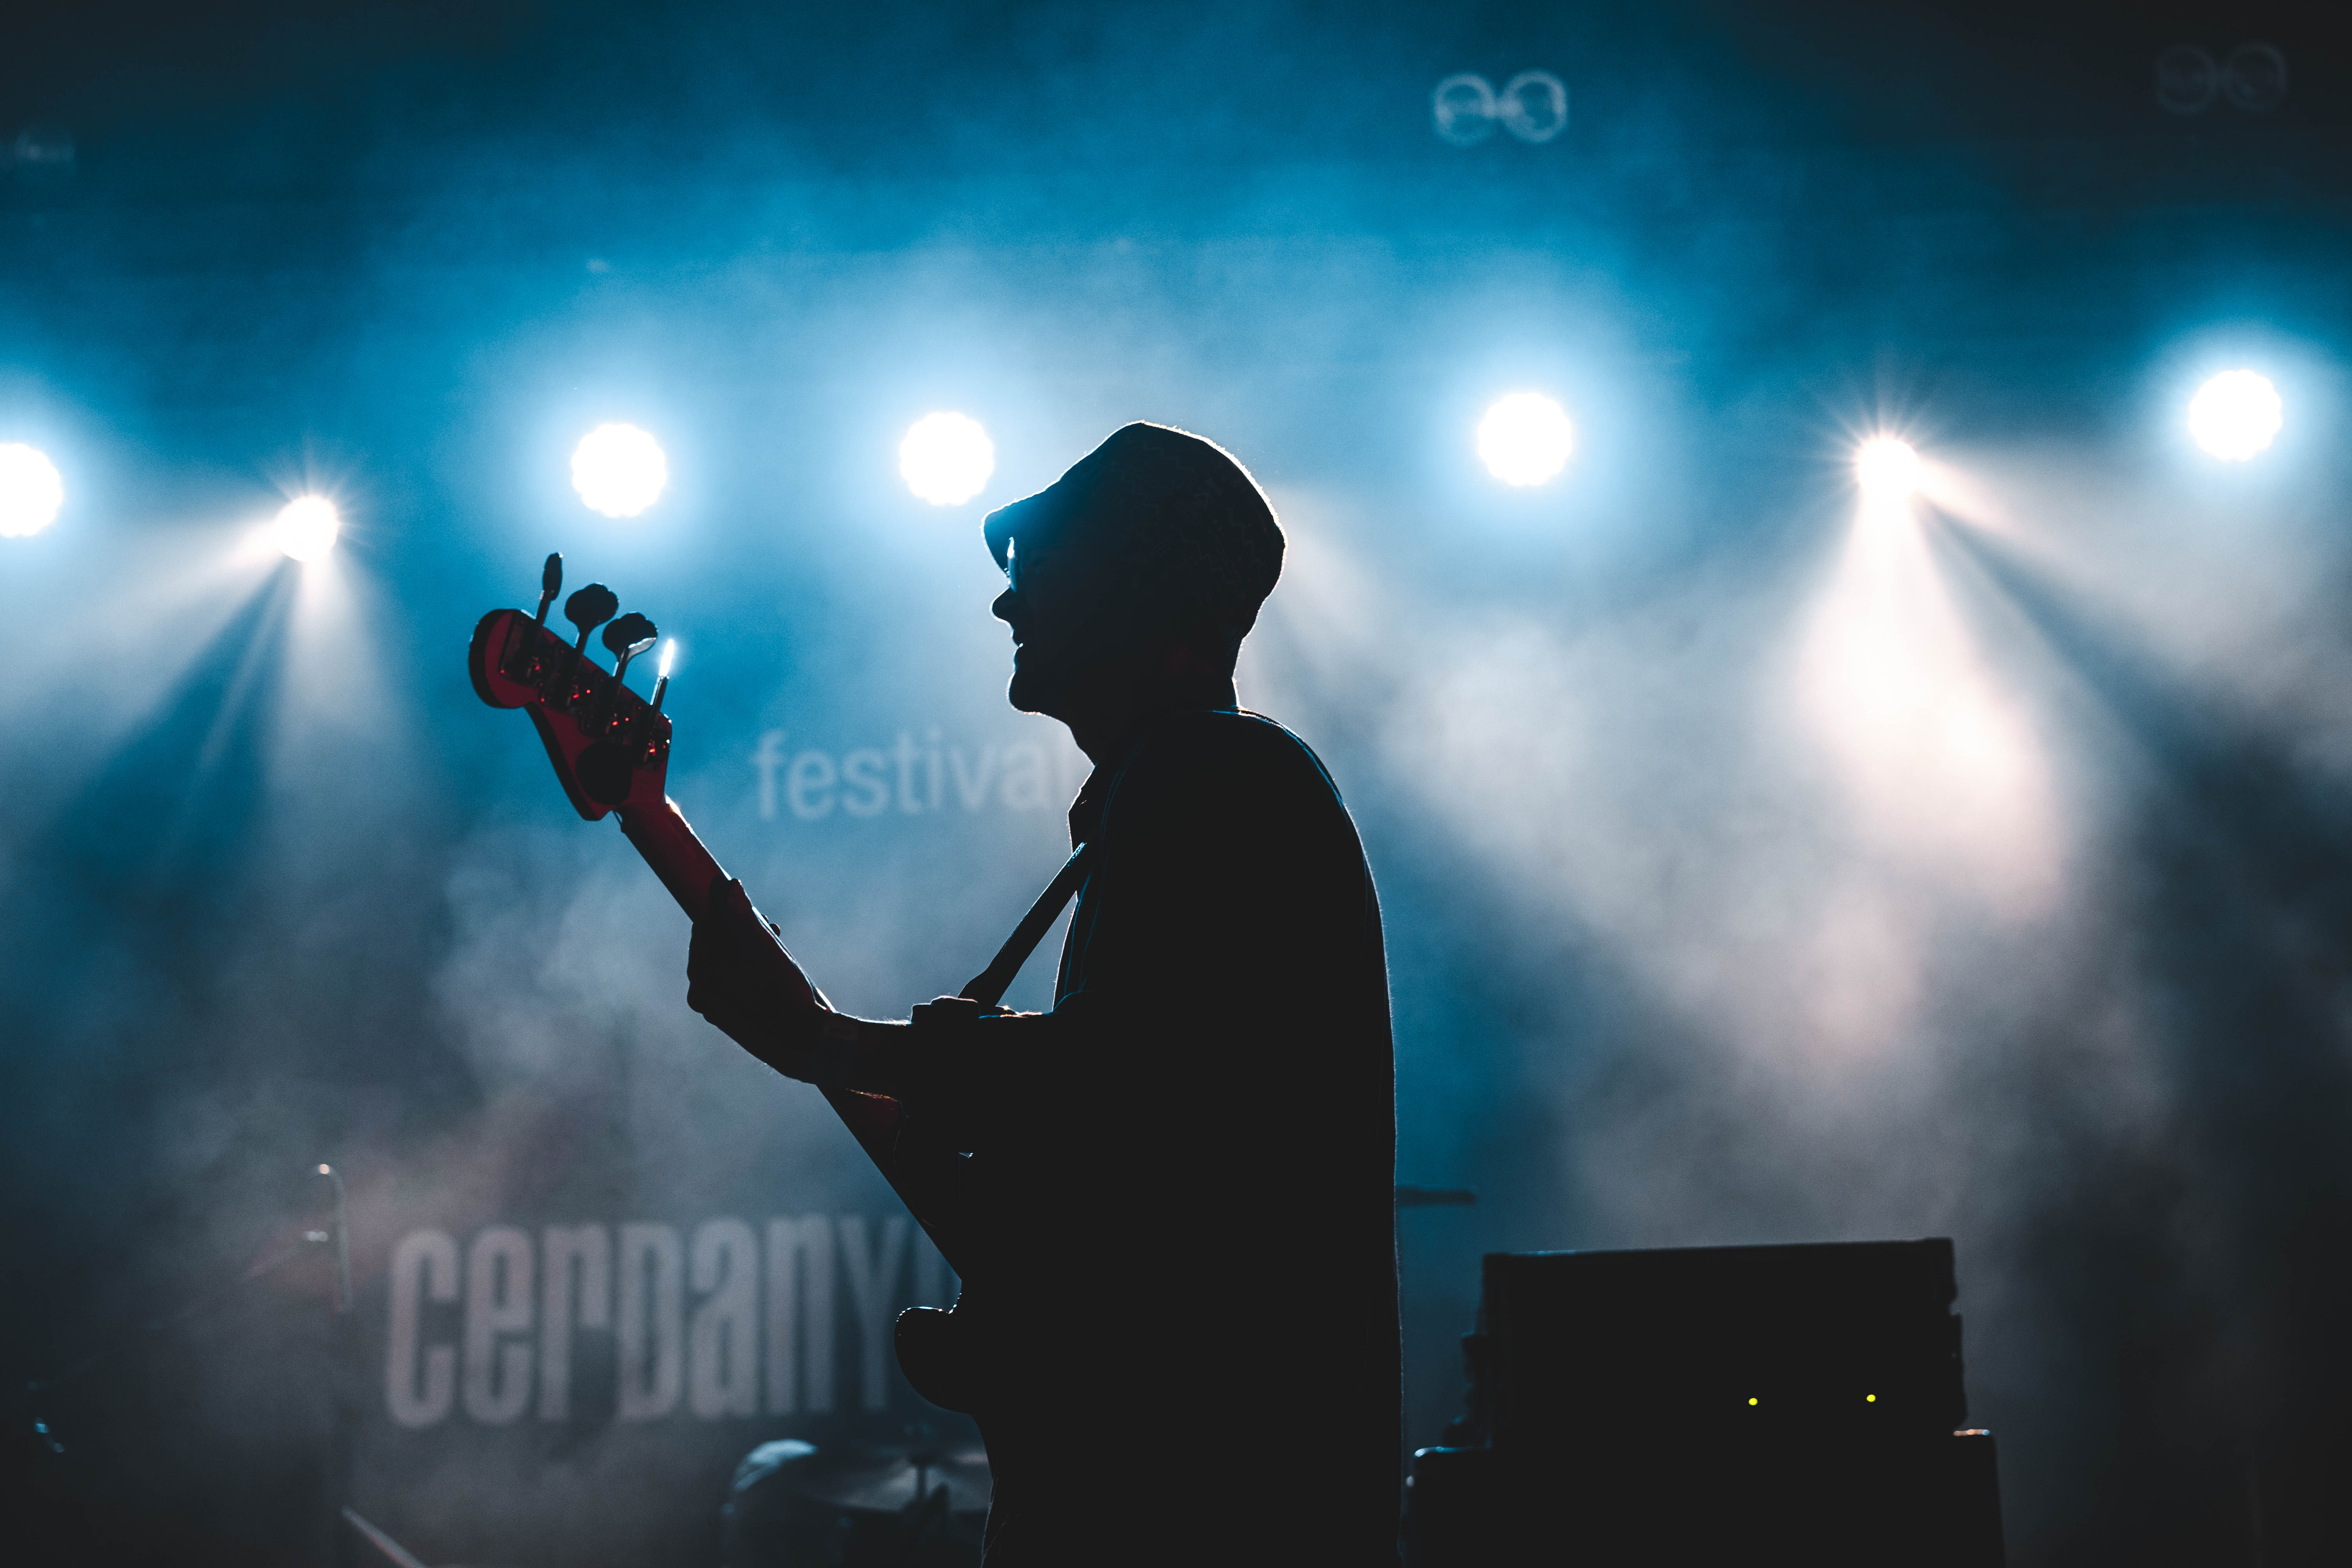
610 750
686 868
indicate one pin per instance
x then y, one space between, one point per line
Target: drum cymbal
885 1480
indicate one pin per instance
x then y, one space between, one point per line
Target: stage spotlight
305 528
1526 439
619 470
946 458
30 491
2235 415
1887 470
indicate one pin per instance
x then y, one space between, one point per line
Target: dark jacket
1184 1176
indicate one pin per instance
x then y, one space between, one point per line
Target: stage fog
1766 857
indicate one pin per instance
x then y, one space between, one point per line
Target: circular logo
2254 78
1534 106
1464 108
2187 80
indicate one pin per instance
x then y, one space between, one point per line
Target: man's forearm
838 1051
873 1054
948 1047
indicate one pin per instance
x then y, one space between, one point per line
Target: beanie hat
1159 526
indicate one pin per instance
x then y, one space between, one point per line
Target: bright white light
668 658
946 458
619 470
1526 439
1886 469
30 491
2235 415
305 528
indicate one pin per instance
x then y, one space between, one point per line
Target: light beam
619 470
1943 760
946 458
30 491
1886 469
305 528
2236 414
1526 439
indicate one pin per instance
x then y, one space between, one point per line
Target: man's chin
1029 691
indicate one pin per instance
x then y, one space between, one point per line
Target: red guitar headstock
609 746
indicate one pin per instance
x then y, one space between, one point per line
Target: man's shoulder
1236 744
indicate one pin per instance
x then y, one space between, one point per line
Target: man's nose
1004 607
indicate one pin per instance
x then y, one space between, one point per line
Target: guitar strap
987 987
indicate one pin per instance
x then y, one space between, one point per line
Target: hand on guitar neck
610 749
741 979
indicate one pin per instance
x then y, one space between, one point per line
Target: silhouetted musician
1210 1100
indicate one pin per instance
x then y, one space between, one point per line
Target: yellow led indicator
1870 1399
1751 1401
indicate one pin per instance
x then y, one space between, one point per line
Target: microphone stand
335 1483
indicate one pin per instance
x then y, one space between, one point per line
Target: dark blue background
277 888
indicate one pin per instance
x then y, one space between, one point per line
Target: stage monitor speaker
1691 1404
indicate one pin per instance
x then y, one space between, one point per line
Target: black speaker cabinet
1709 1403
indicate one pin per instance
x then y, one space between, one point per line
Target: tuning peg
550 582
627 637
588 609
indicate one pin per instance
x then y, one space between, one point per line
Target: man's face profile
1152 530
1045 622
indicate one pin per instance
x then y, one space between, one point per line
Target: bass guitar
610 749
